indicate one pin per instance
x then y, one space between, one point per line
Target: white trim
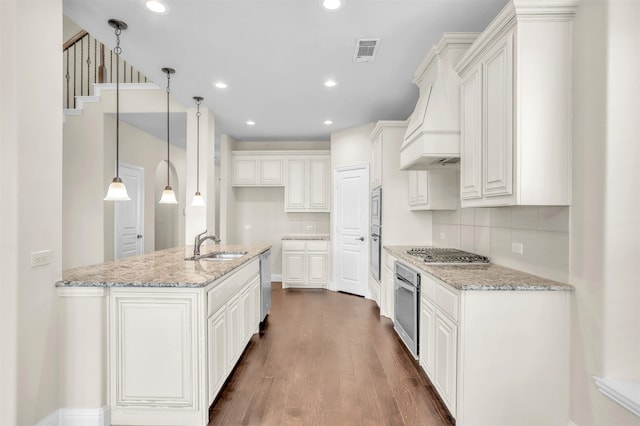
84 416
52 419
625 393
571 423
98 88
276 277
82 291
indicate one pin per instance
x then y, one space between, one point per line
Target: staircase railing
84 61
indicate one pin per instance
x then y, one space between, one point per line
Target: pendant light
168 196
117 191
198 201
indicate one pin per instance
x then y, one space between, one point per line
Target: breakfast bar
151 339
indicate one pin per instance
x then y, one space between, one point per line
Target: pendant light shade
198 201
117 191
168 196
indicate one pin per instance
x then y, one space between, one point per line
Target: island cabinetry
516 108
171 349
257 169
307 184
305 263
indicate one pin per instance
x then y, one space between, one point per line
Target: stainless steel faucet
200 239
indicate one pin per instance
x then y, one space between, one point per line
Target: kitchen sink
218 256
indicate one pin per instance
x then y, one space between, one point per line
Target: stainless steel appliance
449 256
407 306
376 233
265 286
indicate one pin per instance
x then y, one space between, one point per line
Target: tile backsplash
543 233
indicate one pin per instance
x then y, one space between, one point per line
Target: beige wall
31 213
351 147
604 216
88 160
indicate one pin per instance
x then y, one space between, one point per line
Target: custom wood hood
432 139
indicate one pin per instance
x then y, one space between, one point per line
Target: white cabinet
305 263
376 162
217 351
516 109
433 189
257 169
307 184
446 359
387 301
427 336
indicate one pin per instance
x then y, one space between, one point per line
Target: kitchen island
151 339
494 341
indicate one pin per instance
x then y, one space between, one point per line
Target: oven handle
404 283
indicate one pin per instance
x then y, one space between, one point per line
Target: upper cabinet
376 162
307 187
433 189
515 109
252 168
432 139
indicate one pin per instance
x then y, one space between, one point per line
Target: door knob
138 236
361 238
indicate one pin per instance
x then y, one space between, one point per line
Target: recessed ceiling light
157 6
221 85
251 123
328 122
330 83
331 4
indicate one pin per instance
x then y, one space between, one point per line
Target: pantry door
351 236
129 215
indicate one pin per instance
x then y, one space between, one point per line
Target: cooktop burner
446 255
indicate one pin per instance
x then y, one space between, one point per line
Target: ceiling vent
366 49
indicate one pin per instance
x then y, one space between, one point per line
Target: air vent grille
366 49
448 160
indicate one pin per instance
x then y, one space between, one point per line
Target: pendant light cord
117 51
168 164
198 148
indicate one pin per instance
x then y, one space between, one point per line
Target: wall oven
376 233
407 306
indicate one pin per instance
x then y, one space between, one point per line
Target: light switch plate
247 227
517 248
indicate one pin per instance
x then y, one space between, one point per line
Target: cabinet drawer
428 287
293 245
248 271
447 301
317 245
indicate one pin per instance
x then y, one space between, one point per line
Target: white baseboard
276 277
84 416
52 419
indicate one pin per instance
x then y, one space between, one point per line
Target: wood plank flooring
327 358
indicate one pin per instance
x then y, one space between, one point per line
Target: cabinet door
245 171
247 315
318 268
376 163
294 192
413 187
271 172
257 303
427 336
422 187
217 351
498 144
386 291
318 184
234 329
471 136
446 352
293 267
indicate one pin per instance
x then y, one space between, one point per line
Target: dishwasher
265 287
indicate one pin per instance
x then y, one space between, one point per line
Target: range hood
432 140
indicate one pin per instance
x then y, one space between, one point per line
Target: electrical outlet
40 258
247 227
309 227
517 248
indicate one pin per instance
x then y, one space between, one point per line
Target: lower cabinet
305 263
171 349
482 348
387 293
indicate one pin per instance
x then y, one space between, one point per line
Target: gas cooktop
446 256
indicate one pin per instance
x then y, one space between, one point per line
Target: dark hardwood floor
327 358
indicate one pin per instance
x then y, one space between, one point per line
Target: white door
129 215
352 230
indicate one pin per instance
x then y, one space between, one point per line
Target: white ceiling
276 54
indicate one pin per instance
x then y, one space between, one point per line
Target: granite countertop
164 268
479 276
324 237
